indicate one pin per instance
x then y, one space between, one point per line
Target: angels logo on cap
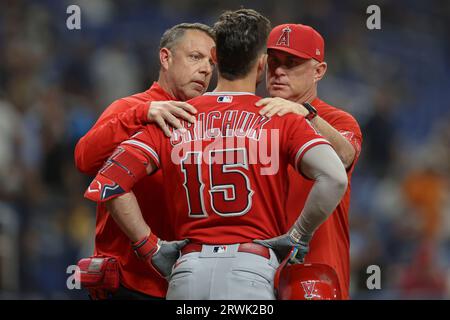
284 38
297 39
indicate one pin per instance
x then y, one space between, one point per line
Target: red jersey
227 174
118 122
331 242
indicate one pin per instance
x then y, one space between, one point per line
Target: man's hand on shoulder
169 113
280 107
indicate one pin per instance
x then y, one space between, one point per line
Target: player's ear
319 71
261 66
214 55
164 58
262 62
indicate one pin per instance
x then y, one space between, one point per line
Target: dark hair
241 36
172 35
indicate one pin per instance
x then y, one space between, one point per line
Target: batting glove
286 244
160 255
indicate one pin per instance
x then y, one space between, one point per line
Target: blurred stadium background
54 83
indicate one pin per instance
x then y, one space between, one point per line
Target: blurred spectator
10 121
424 190
424 278
115 73
379 135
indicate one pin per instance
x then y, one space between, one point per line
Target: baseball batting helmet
311 281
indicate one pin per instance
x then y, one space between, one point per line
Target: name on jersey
215 124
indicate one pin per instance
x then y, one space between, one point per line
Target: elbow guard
120 173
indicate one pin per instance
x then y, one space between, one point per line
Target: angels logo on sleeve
347 134
351 137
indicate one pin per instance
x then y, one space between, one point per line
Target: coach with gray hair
117 270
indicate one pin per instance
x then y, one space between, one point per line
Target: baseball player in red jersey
185 72
224 192
295 66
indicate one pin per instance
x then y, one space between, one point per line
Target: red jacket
119 121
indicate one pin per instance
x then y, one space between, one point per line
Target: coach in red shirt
185 71
295 66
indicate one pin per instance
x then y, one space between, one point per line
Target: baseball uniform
224 193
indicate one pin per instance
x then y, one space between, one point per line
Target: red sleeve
148 141
348 127
126 166
117 123
298 137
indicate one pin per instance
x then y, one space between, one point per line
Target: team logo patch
112 190
225 99
308 287
350 136
284 38
220 249
103 188
347 134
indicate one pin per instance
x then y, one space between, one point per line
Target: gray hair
172 35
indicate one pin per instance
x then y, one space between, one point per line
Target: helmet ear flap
276 280
307 282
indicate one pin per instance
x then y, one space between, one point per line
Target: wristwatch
312 111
